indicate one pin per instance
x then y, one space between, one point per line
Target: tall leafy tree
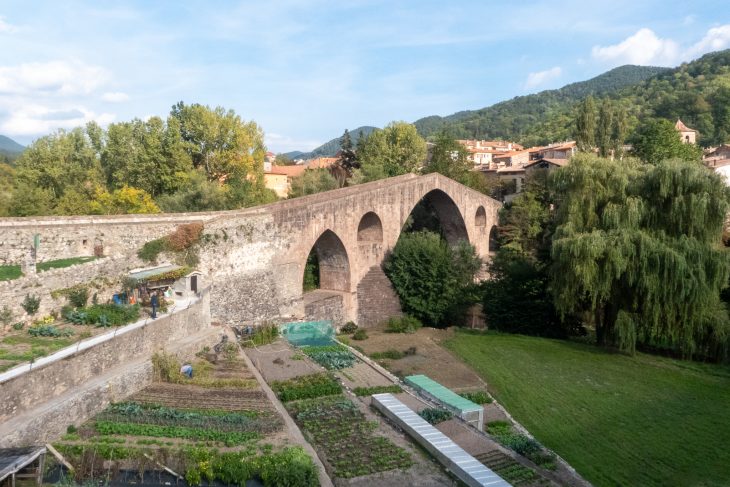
347 159
586 125
450 158
60 161
430 276
397 149
637 246
311 182
658 140
220 142
620 131
604 129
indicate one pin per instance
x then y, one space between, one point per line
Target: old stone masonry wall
37 406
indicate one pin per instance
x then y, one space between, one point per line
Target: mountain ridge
332 147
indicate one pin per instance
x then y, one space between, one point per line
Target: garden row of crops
208 428
338 428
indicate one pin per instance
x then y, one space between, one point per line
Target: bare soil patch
430 358
280 361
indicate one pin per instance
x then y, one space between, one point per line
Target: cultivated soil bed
349 436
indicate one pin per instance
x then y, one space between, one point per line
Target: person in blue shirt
155 302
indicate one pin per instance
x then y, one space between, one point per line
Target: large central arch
438 204
333 262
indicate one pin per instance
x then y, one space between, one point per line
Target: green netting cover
445 395
306 333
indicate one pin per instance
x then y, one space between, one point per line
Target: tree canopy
397 149
637 247
658 140
198 158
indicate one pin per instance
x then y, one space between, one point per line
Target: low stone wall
26 392
99 274
46 424
327 306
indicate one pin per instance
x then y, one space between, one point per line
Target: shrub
348 328
18 326
369 391
78 296
152 249
403 324
166 367
477 397
48 331
389 354
6 316
31 304
184 236
435 415
360 335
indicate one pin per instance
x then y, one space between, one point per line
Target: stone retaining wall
23 393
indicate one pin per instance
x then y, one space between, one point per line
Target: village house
482 152
279 178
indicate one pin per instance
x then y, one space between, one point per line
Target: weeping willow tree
638 248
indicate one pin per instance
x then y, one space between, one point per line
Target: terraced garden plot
513 472
345 438
231 434
192 397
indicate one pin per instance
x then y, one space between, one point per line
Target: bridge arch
439 205
370 228
480 219
329 260
493 239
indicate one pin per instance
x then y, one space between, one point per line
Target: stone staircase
377 300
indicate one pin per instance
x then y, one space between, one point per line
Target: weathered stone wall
325 306
23 393
48 423
101 276
376 299
77 236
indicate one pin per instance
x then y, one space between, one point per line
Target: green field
619 420
9 272
61 263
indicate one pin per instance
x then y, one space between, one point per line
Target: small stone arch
370 228
480 219
333 264
493 239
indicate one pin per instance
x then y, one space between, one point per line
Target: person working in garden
187 370
154 302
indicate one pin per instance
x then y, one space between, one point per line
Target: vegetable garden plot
341 432
184 396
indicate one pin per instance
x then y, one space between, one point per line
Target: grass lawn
8 272
60 263
619 420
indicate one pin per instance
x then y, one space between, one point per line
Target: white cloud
40 119
51 78
115 97
646 48
541 77
5 27
716 39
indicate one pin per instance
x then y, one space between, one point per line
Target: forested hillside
9 149
697 92
331 148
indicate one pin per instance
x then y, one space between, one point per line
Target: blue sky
306 70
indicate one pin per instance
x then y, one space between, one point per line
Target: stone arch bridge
255 258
